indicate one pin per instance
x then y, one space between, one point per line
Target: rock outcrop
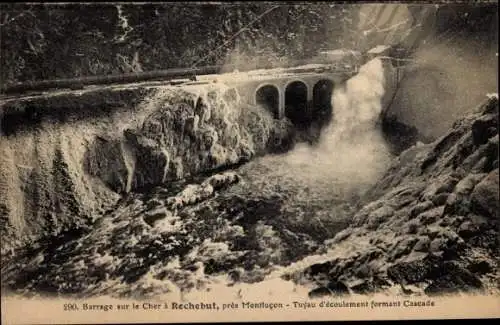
67 157
429 226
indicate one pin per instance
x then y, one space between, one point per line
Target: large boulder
485 196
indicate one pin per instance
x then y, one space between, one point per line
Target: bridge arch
296 94
268 96
322 100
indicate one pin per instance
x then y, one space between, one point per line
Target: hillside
67 40
50 41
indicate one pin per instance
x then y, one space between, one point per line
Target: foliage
50 41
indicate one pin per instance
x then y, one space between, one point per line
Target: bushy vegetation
49 41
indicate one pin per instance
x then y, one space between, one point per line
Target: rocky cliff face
430 225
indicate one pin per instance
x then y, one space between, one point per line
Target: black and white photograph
165 161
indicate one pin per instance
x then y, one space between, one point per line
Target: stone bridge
302 92
290 92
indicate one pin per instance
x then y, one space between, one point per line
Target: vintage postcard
248 161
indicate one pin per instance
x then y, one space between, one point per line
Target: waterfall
352 153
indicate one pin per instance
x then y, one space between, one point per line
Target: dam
299 93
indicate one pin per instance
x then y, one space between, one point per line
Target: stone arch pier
298 96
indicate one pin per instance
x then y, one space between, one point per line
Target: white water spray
353 141
351 154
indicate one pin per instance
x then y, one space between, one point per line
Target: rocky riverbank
430 225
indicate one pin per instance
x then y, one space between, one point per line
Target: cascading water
176 228
351 152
